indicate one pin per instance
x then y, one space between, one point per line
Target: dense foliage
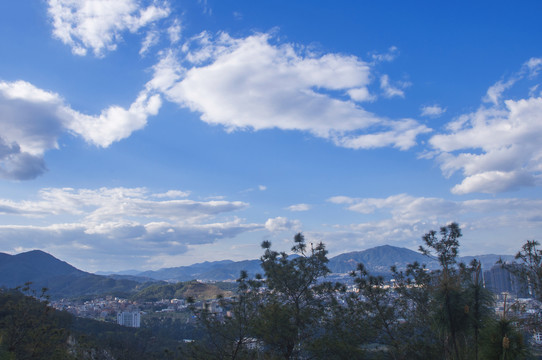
29 329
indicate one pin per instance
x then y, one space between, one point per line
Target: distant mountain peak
62 279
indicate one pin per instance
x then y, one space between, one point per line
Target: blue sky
150 134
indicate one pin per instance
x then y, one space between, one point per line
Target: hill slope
180 290
62 279
36 266
214 271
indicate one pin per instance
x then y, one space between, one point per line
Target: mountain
122 273
378 259
60 278
36 266
214 271
180 290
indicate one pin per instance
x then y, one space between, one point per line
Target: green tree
414 302
501 339
228 336
529 272
377 305
530 269
293 301
452 313
288 313
29 328
479 303
460 306
343 331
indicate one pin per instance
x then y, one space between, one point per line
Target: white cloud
167 72
173 194
533 65
533 89
114 123
98 25
112 204
206 9
262 187
174 31
151 39
388 56
250 83
495 181
403 207
299 207
497 147
361 94
282 224
341 199
432 110
494 93
32 120
530 69
28 112
238 83
119 222
401 134
390 90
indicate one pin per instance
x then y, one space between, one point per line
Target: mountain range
377 260
64 280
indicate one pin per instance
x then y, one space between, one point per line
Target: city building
499 280
129 318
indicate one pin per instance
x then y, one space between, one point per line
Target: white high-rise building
129 318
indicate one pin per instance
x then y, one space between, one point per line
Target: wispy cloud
388 56
432 110
151 39
173 194
299 207
174 31
391 90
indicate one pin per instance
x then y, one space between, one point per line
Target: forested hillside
181 290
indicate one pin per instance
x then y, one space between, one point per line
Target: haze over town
151 134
